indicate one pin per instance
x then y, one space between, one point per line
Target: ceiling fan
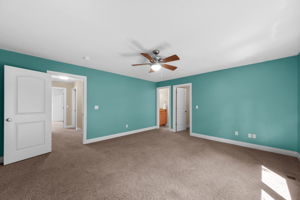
156 62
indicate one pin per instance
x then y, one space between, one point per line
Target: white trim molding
248 145
107 137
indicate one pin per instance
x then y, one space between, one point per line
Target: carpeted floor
152 165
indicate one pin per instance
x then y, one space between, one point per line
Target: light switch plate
197 107
96 107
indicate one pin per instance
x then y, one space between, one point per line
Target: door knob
9 119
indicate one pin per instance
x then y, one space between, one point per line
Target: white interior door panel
27 127
181 109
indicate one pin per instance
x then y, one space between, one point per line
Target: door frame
175 107
169 106
74 125
84 79
65 104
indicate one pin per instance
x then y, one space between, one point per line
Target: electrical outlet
126 126
197 107
249 135
236 133
253 136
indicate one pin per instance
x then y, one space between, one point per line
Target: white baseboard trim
1 160
249 145
88 141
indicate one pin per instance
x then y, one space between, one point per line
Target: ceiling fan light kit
156 67
156 62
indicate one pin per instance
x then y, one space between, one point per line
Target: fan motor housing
156 57
155 52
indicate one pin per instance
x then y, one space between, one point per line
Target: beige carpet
156 164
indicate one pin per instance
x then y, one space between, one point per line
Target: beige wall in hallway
69 87
79 86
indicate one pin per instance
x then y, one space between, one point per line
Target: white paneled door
181 109
27 126
58 102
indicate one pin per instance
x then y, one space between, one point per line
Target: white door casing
181 109
27 114
58 102
84 79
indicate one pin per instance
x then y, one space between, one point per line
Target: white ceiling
207 35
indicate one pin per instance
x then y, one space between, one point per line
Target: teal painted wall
299 103
260 98
122 100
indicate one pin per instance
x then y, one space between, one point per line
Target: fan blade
170 67
141 64
170 58
148 57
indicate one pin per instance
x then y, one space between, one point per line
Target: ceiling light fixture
156 67
65 78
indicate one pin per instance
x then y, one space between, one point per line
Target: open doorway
163 107
68 104
28 130
182 103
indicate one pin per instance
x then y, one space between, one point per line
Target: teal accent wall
259 98
122 100
262 98
299 103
